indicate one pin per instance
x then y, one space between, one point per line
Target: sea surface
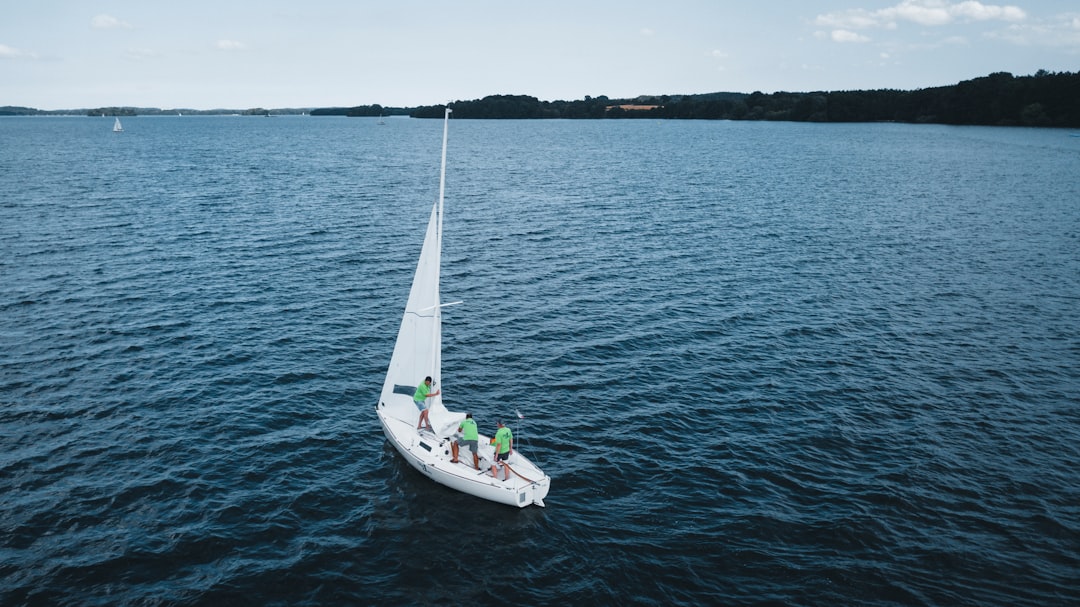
764 363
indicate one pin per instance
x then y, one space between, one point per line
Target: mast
442 176
437 350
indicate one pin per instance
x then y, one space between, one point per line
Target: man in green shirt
423 392
469 438
504 446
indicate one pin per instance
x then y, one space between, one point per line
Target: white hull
430 455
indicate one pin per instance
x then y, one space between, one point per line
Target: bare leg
454 450
475 460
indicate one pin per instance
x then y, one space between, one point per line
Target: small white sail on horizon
117 127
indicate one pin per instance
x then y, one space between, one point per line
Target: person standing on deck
469 438
423 392
504 446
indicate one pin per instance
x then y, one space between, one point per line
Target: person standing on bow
423 392
504 446
469 438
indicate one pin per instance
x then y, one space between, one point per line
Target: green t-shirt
502 439
421 392
468 430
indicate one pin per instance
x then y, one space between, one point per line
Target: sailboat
117 127
418 354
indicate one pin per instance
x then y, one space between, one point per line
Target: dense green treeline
361 111
1000 99
712 105
1044 99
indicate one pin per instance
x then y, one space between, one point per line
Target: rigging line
520 437
518 474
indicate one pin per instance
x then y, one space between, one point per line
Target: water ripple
764 363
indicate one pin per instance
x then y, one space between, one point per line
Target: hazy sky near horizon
57 54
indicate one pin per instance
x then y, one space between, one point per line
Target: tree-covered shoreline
1045 99
1001 99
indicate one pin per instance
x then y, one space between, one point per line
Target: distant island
1045 99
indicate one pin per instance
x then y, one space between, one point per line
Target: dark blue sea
764 363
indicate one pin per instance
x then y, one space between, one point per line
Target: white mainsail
117 127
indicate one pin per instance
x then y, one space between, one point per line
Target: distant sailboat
117 127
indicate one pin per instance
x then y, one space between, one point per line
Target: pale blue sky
195 54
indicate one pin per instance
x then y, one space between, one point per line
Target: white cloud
921 12
986 12
854 18
230 45
7 52
139 54
1015 25
1062 31
847 36
720 58
105 22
